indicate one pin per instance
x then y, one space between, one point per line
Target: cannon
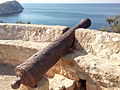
32 70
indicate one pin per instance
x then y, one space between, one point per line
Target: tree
114 23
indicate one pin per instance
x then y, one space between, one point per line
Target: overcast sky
65 1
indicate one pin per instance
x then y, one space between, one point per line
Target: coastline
64 14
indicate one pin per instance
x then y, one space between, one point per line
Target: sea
65 14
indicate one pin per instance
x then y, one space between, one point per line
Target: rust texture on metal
30 72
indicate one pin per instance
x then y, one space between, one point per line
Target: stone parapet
95 57
26 32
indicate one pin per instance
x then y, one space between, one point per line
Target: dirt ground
6 76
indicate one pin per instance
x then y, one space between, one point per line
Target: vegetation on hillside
114 24
21 22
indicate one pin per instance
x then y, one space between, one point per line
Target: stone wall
95 57
19 41
26 32
102 44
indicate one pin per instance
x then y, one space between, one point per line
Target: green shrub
114 24
21 22
29 22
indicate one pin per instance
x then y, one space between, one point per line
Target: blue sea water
64 14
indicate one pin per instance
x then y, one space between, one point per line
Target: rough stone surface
10 7
102 44
26 32
6 76
95 57
17 51
54 83
92 60
18 42
59 81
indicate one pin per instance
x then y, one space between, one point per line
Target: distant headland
10 7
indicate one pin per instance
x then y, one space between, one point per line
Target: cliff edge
10 7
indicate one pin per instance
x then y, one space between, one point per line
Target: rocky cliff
10 7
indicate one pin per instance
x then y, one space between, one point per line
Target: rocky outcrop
94 60
10 7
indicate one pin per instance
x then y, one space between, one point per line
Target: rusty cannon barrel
32 70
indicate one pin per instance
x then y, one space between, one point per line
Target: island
10 7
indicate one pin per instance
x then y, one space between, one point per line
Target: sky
65 1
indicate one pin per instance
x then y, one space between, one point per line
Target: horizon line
62 2
66 2
73 3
